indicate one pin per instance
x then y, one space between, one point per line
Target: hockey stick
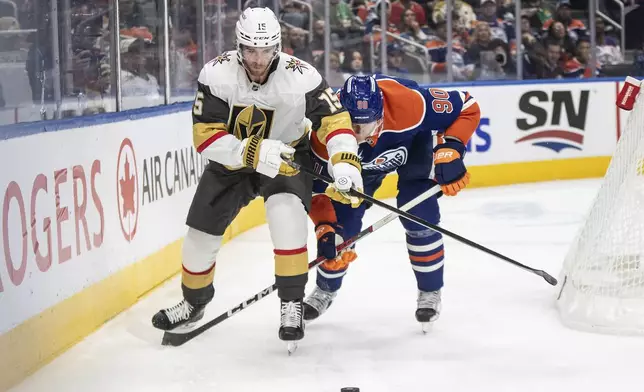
173 338
548 278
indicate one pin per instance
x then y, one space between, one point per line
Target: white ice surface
499 330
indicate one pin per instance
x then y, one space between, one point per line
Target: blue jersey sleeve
454 113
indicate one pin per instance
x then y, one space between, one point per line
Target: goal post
602 281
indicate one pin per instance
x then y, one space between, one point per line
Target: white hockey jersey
293 91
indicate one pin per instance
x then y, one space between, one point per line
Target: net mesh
602 282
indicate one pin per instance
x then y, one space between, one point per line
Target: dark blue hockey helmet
362 98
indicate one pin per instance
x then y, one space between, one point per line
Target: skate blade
291 347
427 327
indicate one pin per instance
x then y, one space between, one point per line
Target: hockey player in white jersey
254 105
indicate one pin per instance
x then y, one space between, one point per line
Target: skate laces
181 311
428 299
291 314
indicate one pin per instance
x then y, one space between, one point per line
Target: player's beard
257 70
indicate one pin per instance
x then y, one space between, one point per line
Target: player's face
257 60
363 131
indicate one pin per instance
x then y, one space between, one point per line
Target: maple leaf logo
128 184
127 190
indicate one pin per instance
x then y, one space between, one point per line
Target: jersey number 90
441 102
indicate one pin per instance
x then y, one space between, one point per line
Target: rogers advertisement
80 204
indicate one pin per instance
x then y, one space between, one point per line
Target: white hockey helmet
258 27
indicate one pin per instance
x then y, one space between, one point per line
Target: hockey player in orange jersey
420 133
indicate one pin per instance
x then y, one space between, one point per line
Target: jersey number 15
331 99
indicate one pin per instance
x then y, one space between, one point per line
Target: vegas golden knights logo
251 120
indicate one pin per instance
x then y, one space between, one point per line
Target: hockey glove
346 174
329 237
450 171
265 156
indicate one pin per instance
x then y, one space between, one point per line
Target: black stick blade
175 339
549 278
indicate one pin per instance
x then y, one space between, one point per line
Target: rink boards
94 208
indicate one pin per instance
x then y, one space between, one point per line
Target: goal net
602 283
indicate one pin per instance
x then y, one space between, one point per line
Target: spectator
360 8
318 36
489 55
527 32
499 28
537 12
373 20
465 15
533 52
286 40
608 51
335 78
353 64
557 32
136 81
340 16
437 47
578 67
300 44
575 27
130 14
635 26
183 66
373 17
428 7
399 7
293 14
410 28
395 61
550 67
505 10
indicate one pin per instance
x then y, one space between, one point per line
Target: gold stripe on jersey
197 280
346 157
291 265
203 132
329 124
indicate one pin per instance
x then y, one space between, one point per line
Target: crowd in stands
555 39
555 43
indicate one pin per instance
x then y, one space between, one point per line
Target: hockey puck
350 389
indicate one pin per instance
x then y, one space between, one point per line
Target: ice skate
183 315
429 308
291 324
317 303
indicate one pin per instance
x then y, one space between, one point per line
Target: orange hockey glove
450 171
329 237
